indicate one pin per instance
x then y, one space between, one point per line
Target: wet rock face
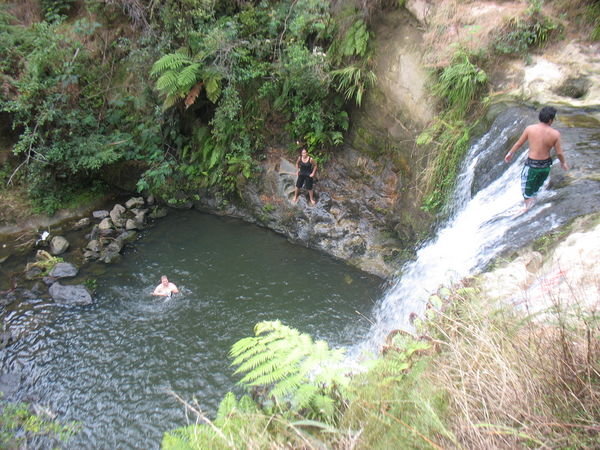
355 216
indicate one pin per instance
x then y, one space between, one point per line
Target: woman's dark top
306 168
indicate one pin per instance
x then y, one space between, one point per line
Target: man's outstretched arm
515 147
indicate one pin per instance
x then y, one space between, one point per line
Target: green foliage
451 138
395 404
460 82
78 96
594 18
235 419
354 41
522 34
56 10
18 424
253 63
353 82
70 129
296 372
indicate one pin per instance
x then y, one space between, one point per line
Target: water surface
112 365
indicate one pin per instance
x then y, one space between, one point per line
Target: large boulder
58 245
70 295
134 202
105 225
117 215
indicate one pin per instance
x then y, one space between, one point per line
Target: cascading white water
471 238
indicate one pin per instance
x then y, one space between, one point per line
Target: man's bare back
541 138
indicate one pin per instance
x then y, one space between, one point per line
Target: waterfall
476 232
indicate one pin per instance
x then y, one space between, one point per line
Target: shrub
460 82
520 34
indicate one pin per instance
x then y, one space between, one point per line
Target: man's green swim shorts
533 175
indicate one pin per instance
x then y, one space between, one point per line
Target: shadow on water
113 364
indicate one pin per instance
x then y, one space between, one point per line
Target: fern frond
188 76
288 386
167 82
172 61
289 364
242 346
305 395
256 363
274 376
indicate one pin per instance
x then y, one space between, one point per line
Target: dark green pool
112 365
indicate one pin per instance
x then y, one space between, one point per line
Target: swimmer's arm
515 147
174 289
561 154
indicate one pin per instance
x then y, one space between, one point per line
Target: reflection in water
112 365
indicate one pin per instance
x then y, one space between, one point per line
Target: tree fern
294 369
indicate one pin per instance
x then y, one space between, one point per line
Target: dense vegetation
80 88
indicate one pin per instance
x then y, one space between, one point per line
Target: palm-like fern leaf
289 364
188 77
172 61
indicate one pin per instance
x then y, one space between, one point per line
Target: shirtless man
542 137
165 288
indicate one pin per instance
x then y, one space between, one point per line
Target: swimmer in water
165 288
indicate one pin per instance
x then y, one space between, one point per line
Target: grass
514 381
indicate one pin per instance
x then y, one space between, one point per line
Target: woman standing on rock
306 170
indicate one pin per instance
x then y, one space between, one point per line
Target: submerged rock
70 295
